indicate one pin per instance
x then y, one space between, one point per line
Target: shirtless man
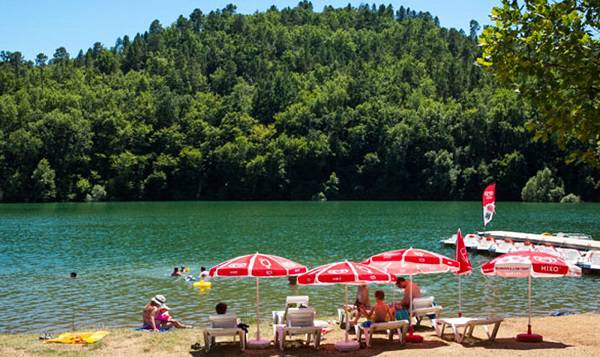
408 286
150 311
362 303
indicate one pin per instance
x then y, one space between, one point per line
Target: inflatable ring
202 284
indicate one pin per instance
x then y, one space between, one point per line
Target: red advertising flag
489 203
462 256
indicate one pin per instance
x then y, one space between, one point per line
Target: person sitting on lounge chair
381 312
221 309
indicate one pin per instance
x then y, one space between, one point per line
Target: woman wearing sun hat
150 311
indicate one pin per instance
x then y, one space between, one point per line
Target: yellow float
202 284
79 337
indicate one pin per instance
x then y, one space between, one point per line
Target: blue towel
561 313
145 330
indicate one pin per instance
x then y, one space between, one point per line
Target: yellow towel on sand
79 337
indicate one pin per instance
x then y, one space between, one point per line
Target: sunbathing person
150 310
166 321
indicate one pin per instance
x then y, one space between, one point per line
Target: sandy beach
574 335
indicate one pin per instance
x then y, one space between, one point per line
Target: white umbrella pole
410 306
459 297
346 312
257 311
529 298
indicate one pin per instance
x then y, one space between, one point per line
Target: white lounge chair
223 325
299 322
291 302
468 324
400 327
423 307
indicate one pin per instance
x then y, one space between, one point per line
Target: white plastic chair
424 306
469 325
223 325
291 302
299 322
400 327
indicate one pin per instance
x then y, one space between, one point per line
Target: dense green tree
346 103
549 51
543 187
44 188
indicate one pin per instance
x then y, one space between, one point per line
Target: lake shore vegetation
366 102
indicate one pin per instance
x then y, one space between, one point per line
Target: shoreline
570 335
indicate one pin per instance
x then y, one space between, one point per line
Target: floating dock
577 249
558 241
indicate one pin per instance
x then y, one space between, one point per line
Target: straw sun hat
159 300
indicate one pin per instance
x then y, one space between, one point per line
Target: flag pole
459 297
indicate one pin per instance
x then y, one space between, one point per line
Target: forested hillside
347 103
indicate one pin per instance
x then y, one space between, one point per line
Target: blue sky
33 26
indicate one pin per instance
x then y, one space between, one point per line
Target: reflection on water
124 252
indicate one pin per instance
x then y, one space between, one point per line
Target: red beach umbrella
259 266
347 273
529 264
412 262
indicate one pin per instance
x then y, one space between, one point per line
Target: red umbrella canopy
462 257
257 265
345 273
413 261
523 264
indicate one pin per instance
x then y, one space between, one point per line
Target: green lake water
124 252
